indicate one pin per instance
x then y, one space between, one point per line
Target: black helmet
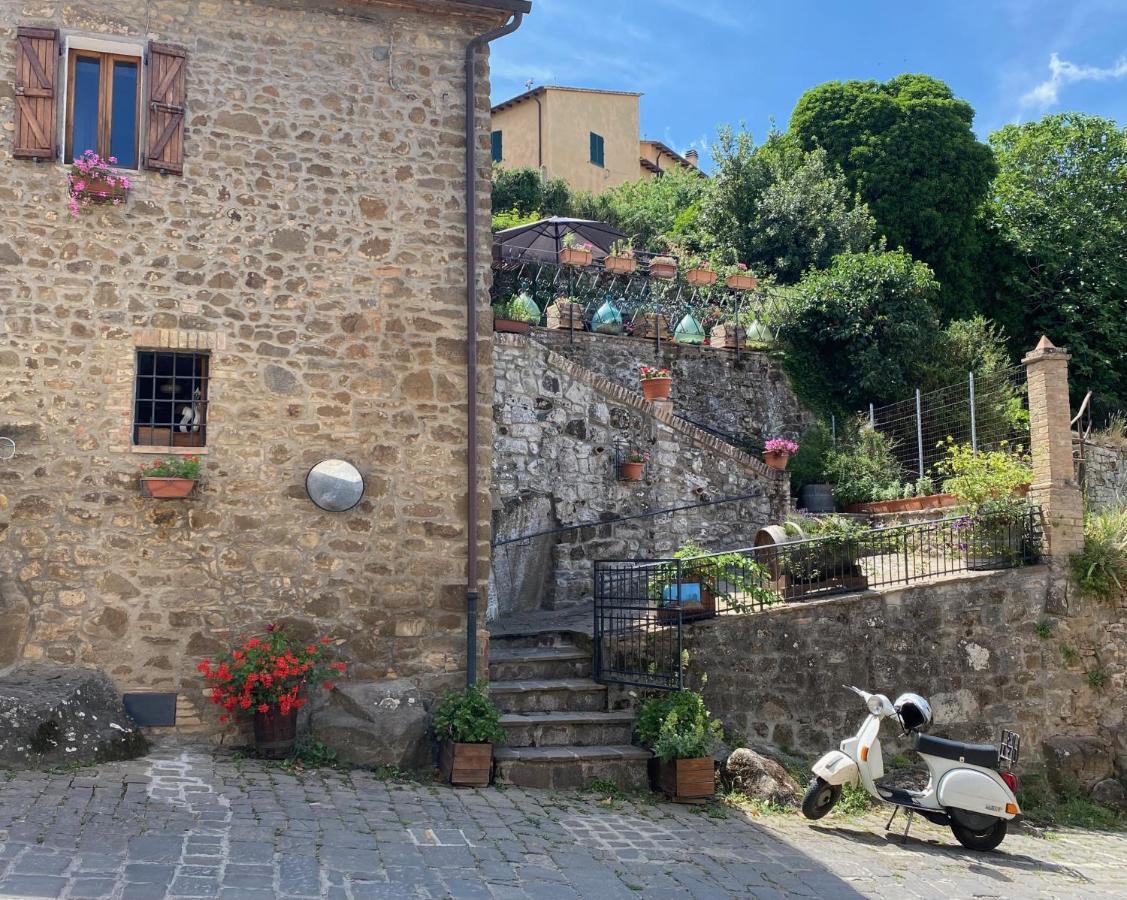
914 712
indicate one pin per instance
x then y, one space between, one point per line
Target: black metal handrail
642 606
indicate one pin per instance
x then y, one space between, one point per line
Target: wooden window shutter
164 148
37 68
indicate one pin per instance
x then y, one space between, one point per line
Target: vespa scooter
970 788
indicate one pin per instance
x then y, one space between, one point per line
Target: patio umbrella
542 241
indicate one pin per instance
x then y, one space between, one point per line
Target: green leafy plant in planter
737 580
468 724
862 467
841 542
1101 567
520 309
682 734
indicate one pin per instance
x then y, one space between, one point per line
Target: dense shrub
1101 567
863 468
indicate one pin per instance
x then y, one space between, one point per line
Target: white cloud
1062 73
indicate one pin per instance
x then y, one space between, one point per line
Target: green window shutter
597 156
497 146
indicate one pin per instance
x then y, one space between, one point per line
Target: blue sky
703 63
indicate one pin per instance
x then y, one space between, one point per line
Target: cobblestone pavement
182 823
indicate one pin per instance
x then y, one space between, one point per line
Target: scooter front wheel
979 838
820 798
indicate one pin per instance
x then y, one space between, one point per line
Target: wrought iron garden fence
641 607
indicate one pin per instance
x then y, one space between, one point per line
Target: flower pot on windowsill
684 780
776 459
167 488
700 277
738 281
631 471
620 265
657 388
510 326
274 732
572 256
467 765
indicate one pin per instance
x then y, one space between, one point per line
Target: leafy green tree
856 331
1060 203
519 190
652 211
783 210
906 146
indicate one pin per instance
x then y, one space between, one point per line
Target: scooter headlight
874 705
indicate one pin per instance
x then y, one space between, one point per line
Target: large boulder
384 723
58 715
1076 763
760 778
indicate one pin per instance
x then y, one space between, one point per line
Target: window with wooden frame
170 399
104 106
598 154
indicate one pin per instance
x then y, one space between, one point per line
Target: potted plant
576 252
699 272
689 591
92 180
564 313
863 468
467 725
777 451
516 314
264 677
632 465
682 735
741 279
656 383
663 267
170 479
621 260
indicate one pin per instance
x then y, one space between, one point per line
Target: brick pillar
1050 437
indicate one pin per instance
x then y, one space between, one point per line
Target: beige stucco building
589 138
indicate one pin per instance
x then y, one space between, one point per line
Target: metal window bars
170 399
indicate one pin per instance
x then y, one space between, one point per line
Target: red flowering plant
650 372
267 673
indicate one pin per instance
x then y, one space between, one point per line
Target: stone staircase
560 732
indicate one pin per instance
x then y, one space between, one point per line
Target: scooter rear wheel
820 798
979 838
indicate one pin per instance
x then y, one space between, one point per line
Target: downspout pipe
471 338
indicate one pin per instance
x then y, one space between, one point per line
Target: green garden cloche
607 318
689 331
530 312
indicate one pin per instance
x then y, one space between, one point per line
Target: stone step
549 695
563 729
517 663
549 637
563 768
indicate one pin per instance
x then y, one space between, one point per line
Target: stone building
285 282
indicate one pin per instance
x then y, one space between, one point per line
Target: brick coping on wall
667 345
662 413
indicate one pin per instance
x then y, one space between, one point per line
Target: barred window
170 399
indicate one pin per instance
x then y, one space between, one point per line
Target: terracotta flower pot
656 388
510 326
663 270
742 282
700 277
468 765
275 733
167 488
776 459
96 190
632 471
620 265
570 256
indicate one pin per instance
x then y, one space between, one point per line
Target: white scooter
970 787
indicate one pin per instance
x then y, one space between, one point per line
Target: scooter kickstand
910 813
895 810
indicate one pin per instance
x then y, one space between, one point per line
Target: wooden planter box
510 326
740 282
569 256
663 269
620 265
467 765
684 780
727 336
647 325
690 612
700 277
167 488
564 315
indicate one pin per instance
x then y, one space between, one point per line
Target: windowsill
168 451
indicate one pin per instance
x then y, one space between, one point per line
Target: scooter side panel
974 790
836 768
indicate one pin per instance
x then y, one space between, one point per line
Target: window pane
123 129
87 75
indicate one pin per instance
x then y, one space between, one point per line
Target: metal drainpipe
539 136
471 338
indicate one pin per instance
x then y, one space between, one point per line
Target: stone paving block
91 888
149 873
189 886
157 848
32 886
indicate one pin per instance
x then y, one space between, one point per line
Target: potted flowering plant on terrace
621 260
633 463
656 383
468 725
91 180
264 678
170 479
777 451
682 734
699 271
740 279
576 252
663 266
516 314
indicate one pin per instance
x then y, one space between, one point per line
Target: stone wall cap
1046 349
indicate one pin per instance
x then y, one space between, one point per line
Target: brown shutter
37 67
164 149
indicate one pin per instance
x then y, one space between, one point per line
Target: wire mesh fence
983 411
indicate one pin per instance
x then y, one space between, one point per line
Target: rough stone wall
970 645
555 430
315 246
750 397
1105 476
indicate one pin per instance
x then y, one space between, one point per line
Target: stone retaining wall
970 645
1105 476
556 425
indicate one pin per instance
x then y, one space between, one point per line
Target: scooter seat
984 755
